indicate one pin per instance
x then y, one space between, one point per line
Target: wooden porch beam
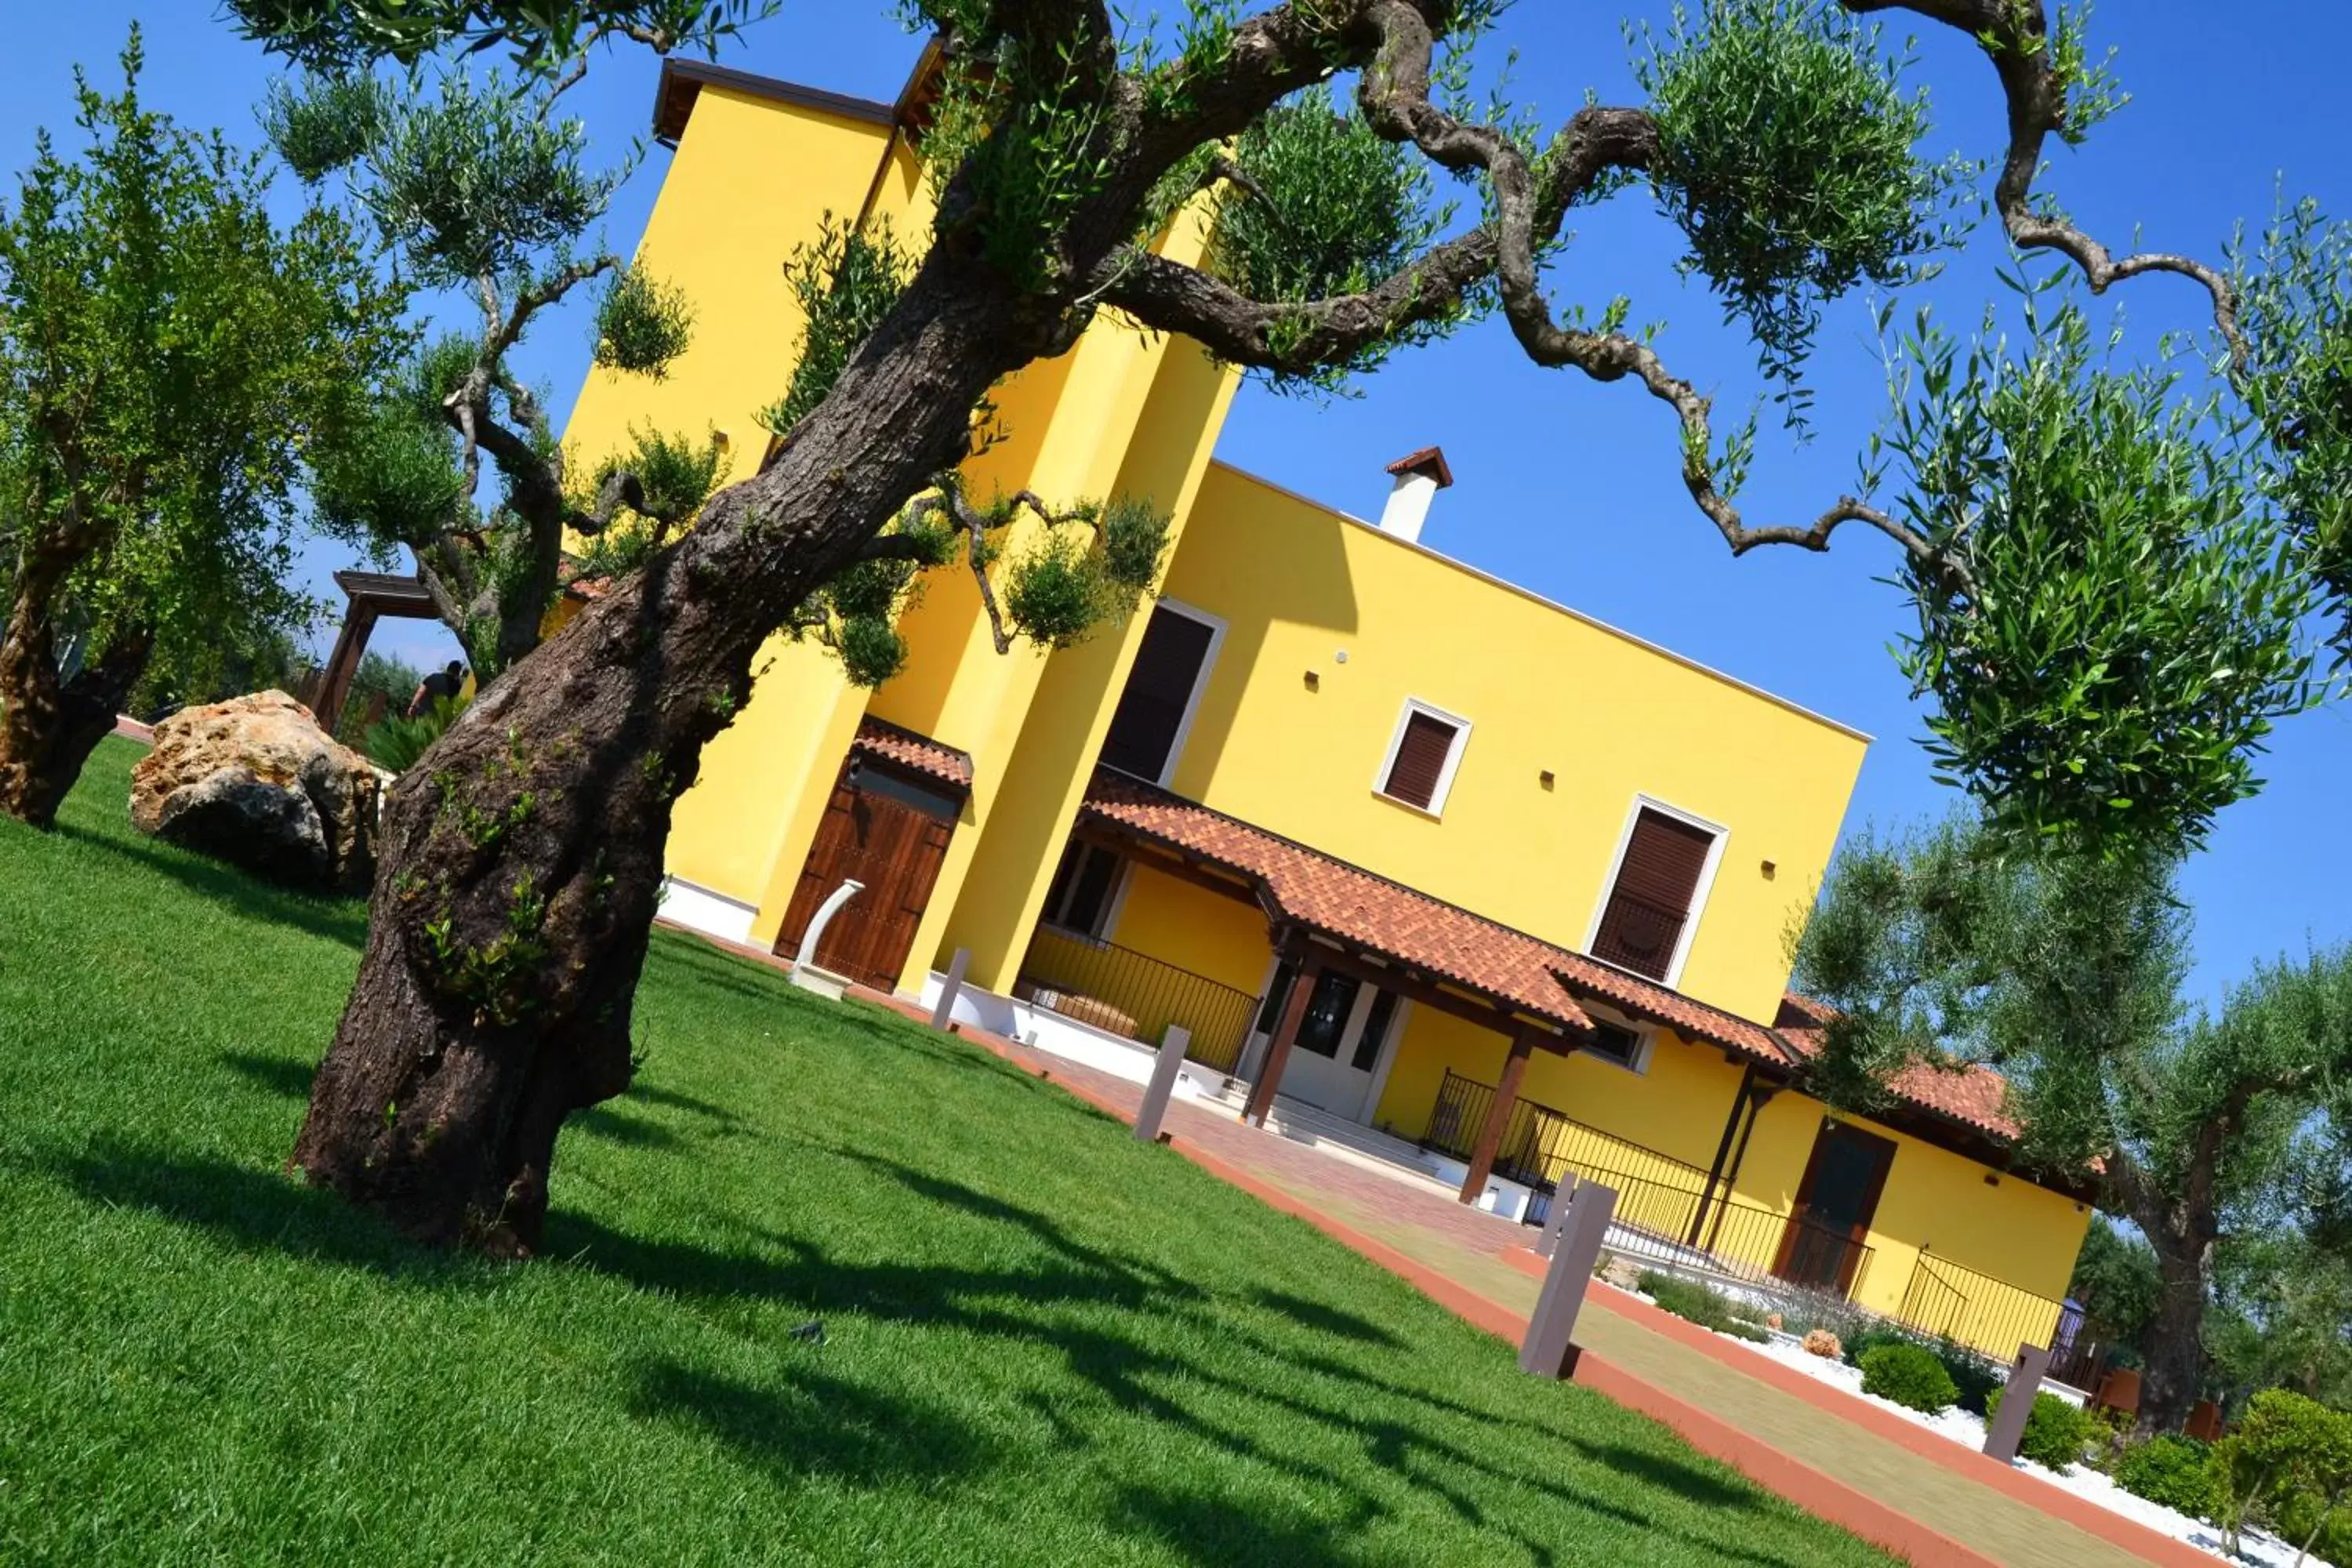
1427 993
1499 1116
1278 1050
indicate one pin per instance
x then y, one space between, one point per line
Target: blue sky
1570 487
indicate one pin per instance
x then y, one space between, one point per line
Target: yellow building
1415 858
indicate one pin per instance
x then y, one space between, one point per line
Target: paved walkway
1465 1247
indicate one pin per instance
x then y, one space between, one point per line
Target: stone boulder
254 781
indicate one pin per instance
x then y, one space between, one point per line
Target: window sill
1404 805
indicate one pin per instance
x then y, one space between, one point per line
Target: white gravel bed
2257 1546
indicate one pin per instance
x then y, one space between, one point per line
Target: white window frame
1436 807
1699 894
1216 624
1645 1041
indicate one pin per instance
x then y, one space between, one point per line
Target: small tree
2063 971
168 357
2288 1459
477 188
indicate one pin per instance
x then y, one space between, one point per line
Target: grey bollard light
1549 1349
2008 1428
1173 1043
944 1014
1563 1198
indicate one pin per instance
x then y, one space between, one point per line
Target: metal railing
1948 1301
1131 993
1666 1209
1638 934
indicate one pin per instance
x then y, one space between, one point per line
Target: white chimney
1419 477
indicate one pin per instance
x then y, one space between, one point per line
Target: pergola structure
368 596
1311 948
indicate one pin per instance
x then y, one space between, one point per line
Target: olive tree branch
2015 37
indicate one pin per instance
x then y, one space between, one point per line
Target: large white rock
255 782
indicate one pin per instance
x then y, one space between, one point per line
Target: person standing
441 683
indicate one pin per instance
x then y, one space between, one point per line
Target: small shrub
1864 1341
2056 1431
1823 1344
1695 1303
1977 1379
393 744
2173 1471
1772 1320
1910 1376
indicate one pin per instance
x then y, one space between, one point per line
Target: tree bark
522 858
48 724
2176 1348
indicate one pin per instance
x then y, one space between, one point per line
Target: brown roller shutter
1419 759
1159 687
1651 902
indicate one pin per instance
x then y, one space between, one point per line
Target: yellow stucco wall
1295 584
1543 690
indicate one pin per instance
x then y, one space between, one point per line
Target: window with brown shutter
1643 921
1159 688
1422 754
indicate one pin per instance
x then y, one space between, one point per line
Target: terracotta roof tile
1330 896
892 743
1975 1096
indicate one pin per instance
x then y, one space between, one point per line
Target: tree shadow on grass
607 1122
279 1075
806 1424
343 920
1220 1532
1323 1318
258 1211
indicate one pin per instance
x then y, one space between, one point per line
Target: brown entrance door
1824 1245
891 832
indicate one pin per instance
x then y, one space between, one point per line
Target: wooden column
1499 1116
1278 1050
359 624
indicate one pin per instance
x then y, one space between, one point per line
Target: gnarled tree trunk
522 858
2176 1345
48 724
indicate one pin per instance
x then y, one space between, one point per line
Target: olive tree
2062 969
170 358
521 867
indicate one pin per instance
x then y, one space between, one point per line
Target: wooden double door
888 830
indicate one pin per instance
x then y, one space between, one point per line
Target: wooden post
944 1013
1162 1087
1499 1116
2008 1428
1277 1051
1549 1347
343 664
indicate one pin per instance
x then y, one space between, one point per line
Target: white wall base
1066 1038
1507 1199
698 909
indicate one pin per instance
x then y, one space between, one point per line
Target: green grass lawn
1043 1343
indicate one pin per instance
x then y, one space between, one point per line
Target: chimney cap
1430 460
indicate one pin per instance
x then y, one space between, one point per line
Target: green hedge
1910 1376
2174 1471
2057 1432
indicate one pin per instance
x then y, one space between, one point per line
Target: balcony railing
1639 935
1130 993
1667 1209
